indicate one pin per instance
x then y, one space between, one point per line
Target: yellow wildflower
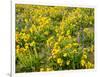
41 69
22 49
26 37
68 32
33 43
89 65
26 45
69 37
68 62
74 51
60 38
33 28
55 51
54 56
62 33
17 35
68 46
75 44
59 61
56 30
46 32
86 30
92 49
26 20
84 56
17 48
65 54
56 44
83 62
84 49
49 57
48 69
49 41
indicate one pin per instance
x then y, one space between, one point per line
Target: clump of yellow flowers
52 38
60 61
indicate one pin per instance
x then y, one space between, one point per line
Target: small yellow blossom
75 44
68 62
60 38
65 54
33 43
89 65
59 61
22 49
55 51
33 28
26 20
26 37
86 30
74 51
68 46
69 37
49 41
41 69
26 45
46 32
56 44
50 58
48 69
68 32
84 56
84 49
17 49
92 49
83 62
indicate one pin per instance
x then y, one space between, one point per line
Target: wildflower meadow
53 38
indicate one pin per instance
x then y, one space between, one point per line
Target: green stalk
36 54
